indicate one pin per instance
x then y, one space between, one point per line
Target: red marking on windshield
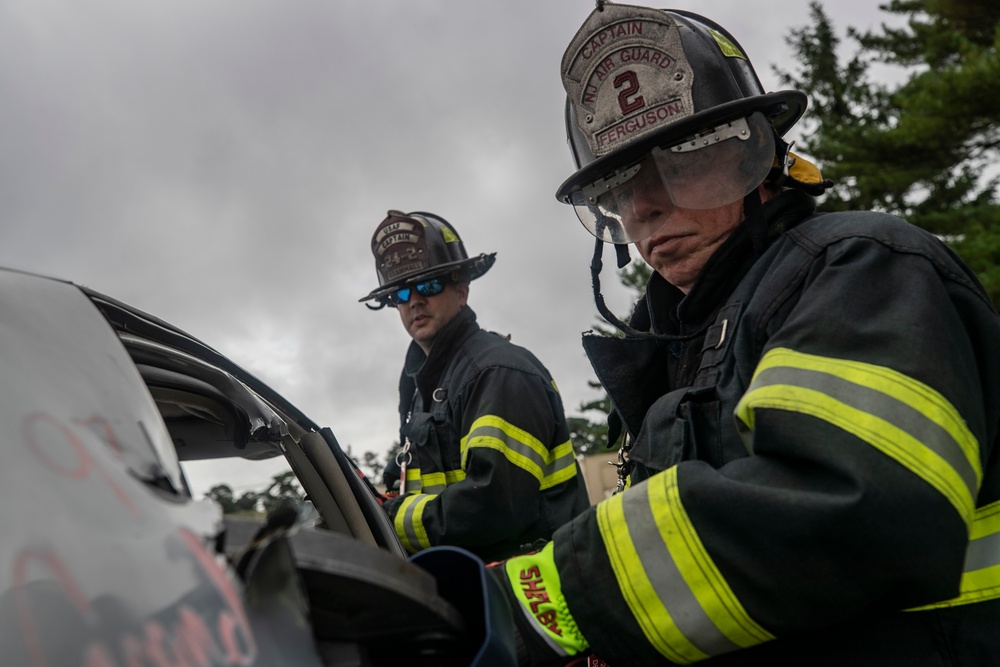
79 465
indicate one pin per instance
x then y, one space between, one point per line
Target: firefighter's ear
463 292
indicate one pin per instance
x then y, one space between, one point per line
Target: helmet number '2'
629 84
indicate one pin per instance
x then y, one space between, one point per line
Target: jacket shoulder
488 349
824 229
821 231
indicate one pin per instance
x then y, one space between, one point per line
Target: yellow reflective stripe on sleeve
432 482
647 608
436 482
409 522
676 594
981 575
706 582
902 418
987 522
414 481
521 449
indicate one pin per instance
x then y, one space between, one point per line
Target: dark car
109 560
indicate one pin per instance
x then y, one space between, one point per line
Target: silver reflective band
608 183
737 128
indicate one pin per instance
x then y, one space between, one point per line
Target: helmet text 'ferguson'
626 128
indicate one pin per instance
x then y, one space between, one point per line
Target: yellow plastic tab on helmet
802 170
798 172
726 45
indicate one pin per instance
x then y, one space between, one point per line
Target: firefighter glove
545 633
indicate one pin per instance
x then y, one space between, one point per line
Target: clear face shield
716 167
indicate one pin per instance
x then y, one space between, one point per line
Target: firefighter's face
681 246
423 317
680 202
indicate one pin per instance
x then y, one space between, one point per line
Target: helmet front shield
710 169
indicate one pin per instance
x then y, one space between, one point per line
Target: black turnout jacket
492 468
816 477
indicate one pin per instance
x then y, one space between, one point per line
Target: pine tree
924 149
283 486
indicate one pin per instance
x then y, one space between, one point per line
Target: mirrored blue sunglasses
425 288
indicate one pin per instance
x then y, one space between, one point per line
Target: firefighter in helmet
809 402
486 460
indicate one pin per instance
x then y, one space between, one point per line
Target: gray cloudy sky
222 165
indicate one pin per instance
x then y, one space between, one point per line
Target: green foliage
223 494
591 437
372 464
636 275
282 487
925 148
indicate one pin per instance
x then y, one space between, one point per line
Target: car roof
127 319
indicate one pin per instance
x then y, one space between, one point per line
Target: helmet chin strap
753 218
596 264
621 251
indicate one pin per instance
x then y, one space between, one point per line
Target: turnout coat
491 467
815 477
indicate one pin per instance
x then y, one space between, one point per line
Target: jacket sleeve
869 420
514 447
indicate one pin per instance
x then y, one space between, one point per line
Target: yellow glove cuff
534 581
